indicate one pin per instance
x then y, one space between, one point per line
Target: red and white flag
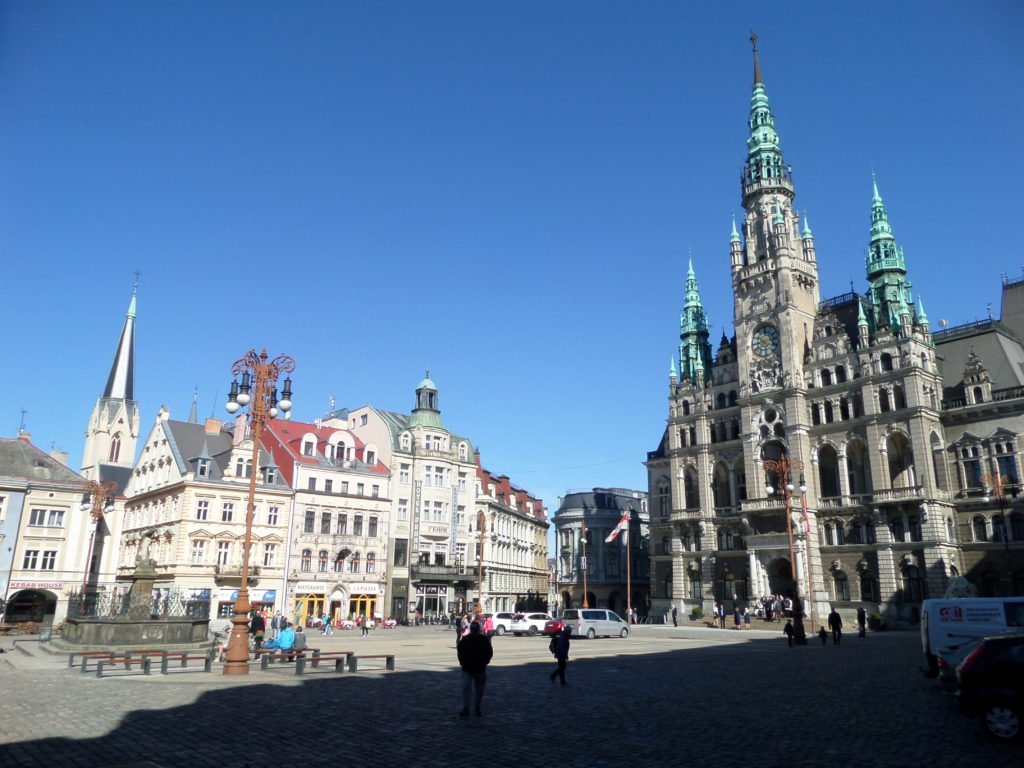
622 526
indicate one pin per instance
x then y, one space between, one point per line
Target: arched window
913 585
1017 526
828 535
663 498
826 377
720 400
858 405
844 408
858 471
856 533
869 588
979 397
307 558
690 488
914 526
840 532
339 563
371 562
828 471
899 399
840 374
901 461
950 530
732 397
896 526
322 561
354 563
686 407
886 361
728 585
978 526
815 413
883 400
115 447
666 547
842 586
721 488
829 416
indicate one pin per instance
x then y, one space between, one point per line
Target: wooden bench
184 658
299 656
144 663
340 659
389 661
86 655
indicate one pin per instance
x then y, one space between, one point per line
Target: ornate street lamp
101 501
782 468
257 390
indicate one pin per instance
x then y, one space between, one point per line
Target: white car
529 623
502 622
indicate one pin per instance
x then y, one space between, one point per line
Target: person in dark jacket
257 628
835 623
560 648
475 654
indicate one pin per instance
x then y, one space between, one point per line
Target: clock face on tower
766 340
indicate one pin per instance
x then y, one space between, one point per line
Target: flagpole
584 563
629 573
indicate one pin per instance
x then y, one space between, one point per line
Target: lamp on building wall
101 502
257 390
782 469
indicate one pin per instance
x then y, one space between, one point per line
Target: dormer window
308 446
269 475
203 468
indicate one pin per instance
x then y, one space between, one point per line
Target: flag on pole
622 526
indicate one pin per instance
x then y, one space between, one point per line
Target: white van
947 623
591 622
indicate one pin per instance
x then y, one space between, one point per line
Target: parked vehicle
529 623
991 680
503 622
591 622
947 623
553 627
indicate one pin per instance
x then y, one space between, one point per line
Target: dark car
991 680
553 627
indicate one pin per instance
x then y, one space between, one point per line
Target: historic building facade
186 507
512 529
853 391
337 548
588 564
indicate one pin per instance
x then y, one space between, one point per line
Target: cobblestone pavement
661 697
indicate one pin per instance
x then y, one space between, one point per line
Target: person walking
737 616
559 646
257 628
720 613
862 622
474 653
365 625
822 635
746 617
325 627
788 632
675 616
835 623
275 626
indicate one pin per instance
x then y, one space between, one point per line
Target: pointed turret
807 239
694 351
735 247
862 327
887 270
193 416
113 430
922 318
121 381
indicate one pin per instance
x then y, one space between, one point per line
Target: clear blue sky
504 192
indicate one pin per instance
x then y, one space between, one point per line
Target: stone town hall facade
904 436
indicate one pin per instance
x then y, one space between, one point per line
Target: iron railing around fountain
108 606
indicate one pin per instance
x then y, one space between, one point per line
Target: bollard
300 664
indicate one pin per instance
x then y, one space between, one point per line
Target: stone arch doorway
566 600
780 577
37 605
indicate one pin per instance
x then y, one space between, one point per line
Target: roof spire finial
757 66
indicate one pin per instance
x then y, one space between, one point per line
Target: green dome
427 383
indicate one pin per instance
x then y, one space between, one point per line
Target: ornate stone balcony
684 514
897 495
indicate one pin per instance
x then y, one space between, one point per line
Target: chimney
25 437
213 426
61 456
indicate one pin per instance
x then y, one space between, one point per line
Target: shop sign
310 586
37 585
366 588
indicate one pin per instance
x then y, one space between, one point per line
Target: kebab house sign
58 585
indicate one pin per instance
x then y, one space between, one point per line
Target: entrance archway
780 577
31 605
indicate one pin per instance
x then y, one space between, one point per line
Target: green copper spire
887 270
861 319
672 365
764 155
735 238
921 316
807 226
694 351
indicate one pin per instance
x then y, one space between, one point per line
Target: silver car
591 622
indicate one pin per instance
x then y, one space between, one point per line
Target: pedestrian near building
720 613
675 616
746 617
862 622
300 642
257 628
326 626
275 626
365 625
737 616
788 632
559 646
822 635
835 623
474 653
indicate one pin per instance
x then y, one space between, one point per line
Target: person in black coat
835 623
560 648
475 653
257 628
